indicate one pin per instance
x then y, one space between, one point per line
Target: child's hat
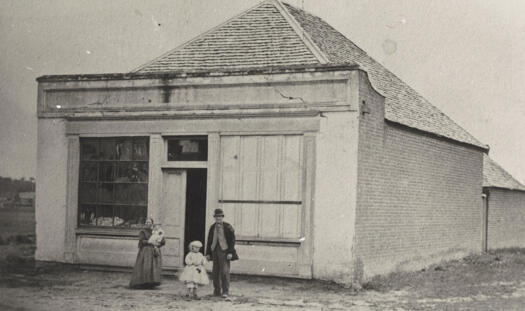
196 243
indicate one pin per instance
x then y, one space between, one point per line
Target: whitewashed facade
265 166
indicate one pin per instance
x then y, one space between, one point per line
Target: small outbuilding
327 164
26 198
504 199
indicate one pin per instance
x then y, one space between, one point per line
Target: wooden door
173 216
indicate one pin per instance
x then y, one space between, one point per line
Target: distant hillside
11 187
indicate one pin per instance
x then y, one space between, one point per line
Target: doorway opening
195 222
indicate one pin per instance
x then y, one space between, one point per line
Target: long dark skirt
147 269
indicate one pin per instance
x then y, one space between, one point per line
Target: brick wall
419 197
506 219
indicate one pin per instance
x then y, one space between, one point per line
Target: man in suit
221 249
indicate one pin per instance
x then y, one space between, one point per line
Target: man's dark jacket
229 234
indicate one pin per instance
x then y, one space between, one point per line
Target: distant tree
11 187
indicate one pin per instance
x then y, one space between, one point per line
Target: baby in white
157 235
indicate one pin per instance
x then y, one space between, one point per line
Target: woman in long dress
147 270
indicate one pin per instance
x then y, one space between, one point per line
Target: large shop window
113 188
262 185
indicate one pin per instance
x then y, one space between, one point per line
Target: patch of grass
375 284
459 278
510 250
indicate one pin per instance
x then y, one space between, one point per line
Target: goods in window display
107 221
113 181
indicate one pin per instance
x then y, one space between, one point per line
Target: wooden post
73 162
485 226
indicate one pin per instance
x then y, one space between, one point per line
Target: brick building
327 164
504 207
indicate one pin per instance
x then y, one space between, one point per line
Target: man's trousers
220 271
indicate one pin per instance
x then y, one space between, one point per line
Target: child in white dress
194 273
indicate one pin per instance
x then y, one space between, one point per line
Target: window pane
132 172
107 149
87 214
107 171
137 216
188 149
87 193
140 149
106 193
124 173
89 149
122 193
88 171
130 216
138 194
104 216
142 171
124 149
121 216
118 219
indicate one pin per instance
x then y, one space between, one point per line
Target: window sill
267 241
121 232
184 164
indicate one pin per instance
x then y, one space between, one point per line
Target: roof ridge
388 71
301 32
201 35
305 11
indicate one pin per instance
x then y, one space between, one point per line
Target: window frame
141 173
200 138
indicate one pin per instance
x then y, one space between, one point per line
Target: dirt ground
494 281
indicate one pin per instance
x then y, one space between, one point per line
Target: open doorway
195 223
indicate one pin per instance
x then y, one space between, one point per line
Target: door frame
211 166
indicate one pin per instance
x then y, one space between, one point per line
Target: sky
467 57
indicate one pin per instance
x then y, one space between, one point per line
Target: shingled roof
278 34
495 176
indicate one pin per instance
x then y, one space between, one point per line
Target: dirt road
486 282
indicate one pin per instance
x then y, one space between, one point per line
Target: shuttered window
261 185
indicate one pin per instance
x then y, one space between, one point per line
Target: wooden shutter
261 184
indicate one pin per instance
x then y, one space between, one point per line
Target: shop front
175 148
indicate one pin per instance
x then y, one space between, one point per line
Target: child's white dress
194 273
